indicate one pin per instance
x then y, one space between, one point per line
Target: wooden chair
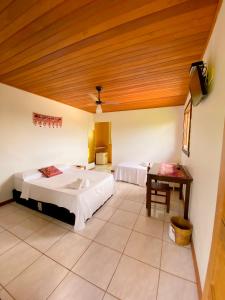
157 189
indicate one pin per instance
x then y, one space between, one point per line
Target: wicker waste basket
182 230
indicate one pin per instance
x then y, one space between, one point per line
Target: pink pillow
50 171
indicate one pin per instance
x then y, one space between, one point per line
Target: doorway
100 145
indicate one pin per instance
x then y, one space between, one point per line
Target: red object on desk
172 170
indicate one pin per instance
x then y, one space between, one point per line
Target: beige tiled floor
121 254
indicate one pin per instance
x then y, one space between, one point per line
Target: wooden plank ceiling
140 51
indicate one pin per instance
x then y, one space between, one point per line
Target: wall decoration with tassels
44 120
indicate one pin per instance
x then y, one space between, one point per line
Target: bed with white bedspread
56 190
132 172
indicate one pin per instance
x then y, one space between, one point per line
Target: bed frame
48 209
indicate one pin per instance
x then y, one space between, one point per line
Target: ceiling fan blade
89 104
93 97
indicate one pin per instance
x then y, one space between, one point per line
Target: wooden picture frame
187 128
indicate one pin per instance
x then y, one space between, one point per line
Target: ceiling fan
98 100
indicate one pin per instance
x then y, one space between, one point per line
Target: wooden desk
171 173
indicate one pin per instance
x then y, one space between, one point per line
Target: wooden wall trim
6 202
198 282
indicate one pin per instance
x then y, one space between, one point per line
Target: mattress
131 172
83 203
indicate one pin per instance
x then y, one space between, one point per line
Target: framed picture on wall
187 128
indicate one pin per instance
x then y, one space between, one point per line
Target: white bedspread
82 202
131 172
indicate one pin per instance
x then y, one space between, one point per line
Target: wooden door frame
217 223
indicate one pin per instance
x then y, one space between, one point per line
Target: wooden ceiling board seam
4 4
135 67
58 74
5 55
37 24
74 73
35 71
13 11
140 50
24 61
18 69
72 19
33 14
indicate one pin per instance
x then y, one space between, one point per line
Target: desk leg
181 191
149 202
148 196
156 191
186 203
147 191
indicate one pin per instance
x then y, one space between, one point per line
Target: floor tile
124 218
134 280
131 206
41 215
7 209
177 260
4 295
9 220
149 226
177 205
27 227
172 287
15 204
68 249
92 227
37 281
156 212
136 197
97 265
105 213
74 287
109 297
166 237
15 260
7 241
63 224
115 201
144 211
43 239
144 248
113 236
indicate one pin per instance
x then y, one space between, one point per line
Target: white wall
145 135
205 149
24 146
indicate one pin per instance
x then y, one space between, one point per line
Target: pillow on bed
50 171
